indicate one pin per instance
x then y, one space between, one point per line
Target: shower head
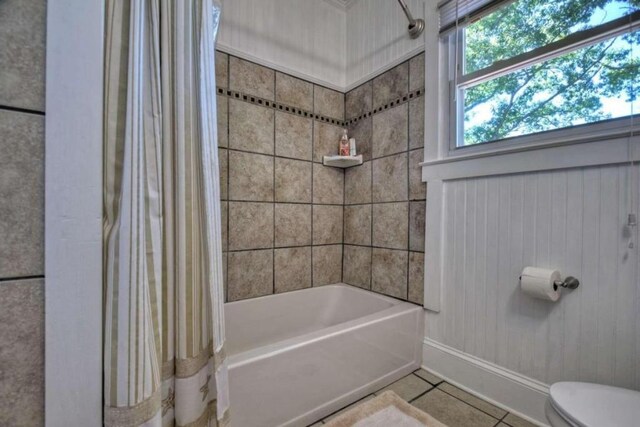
416 26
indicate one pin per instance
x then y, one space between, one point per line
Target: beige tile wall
293 223
22 59
283 210
385 198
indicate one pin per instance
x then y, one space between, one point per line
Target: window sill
574 149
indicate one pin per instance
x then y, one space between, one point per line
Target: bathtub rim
342 285
398 308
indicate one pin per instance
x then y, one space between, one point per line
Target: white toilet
574 404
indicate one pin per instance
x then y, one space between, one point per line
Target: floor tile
408 388
346 408
472 400
451 411
515 421
426 375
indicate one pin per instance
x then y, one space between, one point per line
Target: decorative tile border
278 106
394 103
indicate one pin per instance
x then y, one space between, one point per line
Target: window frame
453 45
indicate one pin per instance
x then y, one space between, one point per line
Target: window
534 66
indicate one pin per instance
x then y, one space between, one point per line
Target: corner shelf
342 161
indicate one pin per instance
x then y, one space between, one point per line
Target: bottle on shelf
344 144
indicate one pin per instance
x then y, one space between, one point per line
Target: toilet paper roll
540 283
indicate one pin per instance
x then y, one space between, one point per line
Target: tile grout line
437 387
239 150
19 278
228 120
380 247
408 181
230 55
276 106
469 404
278 71
371 198
406 98
344 183
433 387
344 191
502 420
313 152
344 407
279 203
21 110
273 240
384 203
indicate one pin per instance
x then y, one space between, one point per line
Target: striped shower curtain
164 362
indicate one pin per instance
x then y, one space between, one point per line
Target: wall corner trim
516 393
342 4
73 213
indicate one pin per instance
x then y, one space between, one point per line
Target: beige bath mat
386 410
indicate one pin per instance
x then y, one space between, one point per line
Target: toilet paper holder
569 282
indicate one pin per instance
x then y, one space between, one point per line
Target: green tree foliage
562 92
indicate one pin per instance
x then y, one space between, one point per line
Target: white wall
572 220
377 37
302 37
321 41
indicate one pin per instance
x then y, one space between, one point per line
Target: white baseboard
520 395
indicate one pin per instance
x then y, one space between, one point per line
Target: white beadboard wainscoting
573 220
377 37
304 38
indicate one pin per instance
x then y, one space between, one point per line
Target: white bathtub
299 356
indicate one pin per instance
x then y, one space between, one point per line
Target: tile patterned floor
445 402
